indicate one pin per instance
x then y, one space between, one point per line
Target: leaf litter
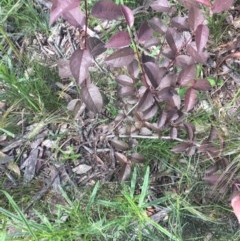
97 158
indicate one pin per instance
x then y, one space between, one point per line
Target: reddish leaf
138 158
120 145
121 158
91 96
171 39
213 134
165 94
190 130
106 10
157 25
79 64
200 57
125 80
160 5
128 15
190 99
75 17
181 23
205 2
167 81
126 91
145 131
179 148
144 32
146 101
195 18
133 68
162 119
201 36
175 101
183 60
120 58
150 113
152 70
147 58
124 172
59 7
191 150
221 5
96 46
201 84
235 203
188 3
186 75
119 40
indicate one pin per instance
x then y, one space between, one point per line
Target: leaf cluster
154 64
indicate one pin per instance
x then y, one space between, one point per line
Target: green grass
21 17
218 29
109 211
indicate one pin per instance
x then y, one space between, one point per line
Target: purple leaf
195 18
221 5
125 80
79 64
165 94
175 101
179 148
167 81
186 75
201 36
92 98
171 39
213 134
184 60
190 99
188 4
128 15
205 2
190 130
121 158
137 158
126 91
119 40
201 84
152 70
150 113
120 58
60 7
160 5
146 101
162 119
75 17
157 25
124 173
106 10
133 69
191 150
147 58
96 46
200 57
120 145
144 33
181 23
